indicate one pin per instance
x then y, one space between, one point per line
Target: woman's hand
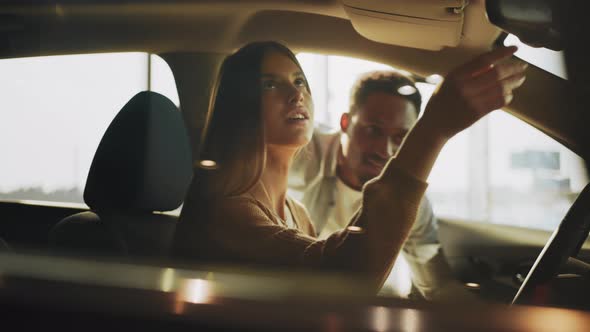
473 90
467 94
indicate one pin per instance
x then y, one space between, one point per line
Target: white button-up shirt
313 181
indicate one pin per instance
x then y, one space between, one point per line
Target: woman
262 115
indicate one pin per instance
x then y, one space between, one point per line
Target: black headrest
143 161
3 245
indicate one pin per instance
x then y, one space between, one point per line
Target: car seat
3 245
141 168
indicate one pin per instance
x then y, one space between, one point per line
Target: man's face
375 133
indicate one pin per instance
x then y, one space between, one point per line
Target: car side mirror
535 22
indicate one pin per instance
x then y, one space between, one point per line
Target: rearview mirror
534 22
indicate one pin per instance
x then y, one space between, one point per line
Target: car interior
142 166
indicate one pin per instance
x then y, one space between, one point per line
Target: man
328 176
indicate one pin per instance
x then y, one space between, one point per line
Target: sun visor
425 24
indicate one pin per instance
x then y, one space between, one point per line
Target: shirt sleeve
245 231
422 243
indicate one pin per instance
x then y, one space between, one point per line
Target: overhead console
425 24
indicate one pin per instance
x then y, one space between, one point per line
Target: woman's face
286 104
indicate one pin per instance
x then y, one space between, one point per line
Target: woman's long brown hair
234 139
234 134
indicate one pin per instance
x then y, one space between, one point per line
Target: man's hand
473 90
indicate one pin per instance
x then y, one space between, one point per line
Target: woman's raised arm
468 93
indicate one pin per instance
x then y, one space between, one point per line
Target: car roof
42 27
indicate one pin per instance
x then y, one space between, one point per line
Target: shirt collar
331 160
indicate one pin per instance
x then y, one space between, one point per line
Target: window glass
54 112
162 79
330 79
483 174
533 180
504 171
546 59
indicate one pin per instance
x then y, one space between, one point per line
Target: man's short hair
388 81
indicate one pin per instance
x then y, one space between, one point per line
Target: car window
501 170
54 111
504 171
546 59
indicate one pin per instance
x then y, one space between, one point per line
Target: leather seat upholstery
142 167
3 245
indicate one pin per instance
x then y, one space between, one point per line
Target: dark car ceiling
37 27
215 26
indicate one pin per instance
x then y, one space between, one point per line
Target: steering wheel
566 241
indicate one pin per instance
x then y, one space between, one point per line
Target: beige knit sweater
240 229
